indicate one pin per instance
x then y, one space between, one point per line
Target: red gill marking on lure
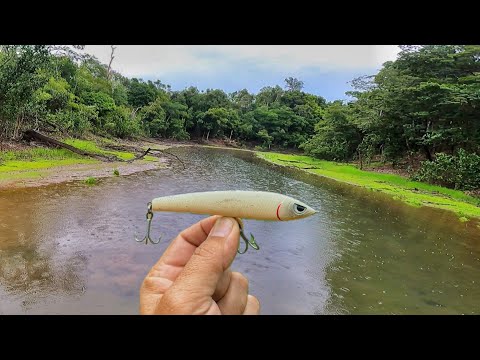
278 208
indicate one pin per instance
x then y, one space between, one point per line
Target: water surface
69 248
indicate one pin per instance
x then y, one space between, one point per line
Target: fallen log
139 156
34 135
167 153
130 149
30 135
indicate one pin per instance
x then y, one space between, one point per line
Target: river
69 248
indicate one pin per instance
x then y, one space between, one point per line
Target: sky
326 70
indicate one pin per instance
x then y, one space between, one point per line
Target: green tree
21 76
141 93
293 84
265 137
215 121
268 96
336 136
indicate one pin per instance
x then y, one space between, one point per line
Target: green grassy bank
94 148
29 163
400 188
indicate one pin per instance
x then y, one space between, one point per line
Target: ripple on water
358 254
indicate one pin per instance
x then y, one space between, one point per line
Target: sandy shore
58 174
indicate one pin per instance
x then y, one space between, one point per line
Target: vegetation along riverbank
24 165
418 118
400 188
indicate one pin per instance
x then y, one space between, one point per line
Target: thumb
207 264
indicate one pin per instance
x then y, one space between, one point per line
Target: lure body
258 205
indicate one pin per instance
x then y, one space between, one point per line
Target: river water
70 249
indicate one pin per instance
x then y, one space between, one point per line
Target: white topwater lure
258 205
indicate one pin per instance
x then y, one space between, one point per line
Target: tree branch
167 153
109 70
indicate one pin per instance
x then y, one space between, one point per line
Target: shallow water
70 249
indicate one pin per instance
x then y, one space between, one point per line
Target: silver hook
147 237
248 242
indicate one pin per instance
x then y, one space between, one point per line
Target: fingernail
222 227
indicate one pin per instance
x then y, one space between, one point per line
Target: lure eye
299 209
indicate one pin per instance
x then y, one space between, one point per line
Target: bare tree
109 71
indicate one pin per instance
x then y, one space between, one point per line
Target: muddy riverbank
30 166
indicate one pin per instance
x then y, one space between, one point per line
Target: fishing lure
257 205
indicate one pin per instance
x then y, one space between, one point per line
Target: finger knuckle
205 252
241 279
150 285
155 285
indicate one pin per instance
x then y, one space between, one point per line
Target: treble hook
147 237
248 242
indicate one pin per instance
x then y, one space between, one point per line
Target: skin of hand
193 275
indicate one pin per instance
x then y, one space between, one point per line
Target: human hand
193 275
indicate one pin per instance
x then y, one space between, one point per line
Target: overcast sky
325 69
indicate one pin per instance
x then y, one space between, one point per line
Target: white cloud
159 60
327 57
143 60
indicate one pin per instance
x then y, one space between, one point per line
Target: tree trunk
109 70
428 154
198 131
208 134
134 112
427 151
231 133
33 135
17 126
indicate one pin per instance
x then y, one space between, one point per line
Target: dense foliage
426 104
42 87
459 171
423 106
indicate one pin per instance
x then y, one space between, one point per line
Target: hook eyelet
149 217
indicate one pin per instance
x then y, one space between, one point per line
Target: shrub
120 123
77 121
90 181
460 171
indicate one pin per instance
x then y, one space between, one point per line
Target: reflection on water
30 268
70 248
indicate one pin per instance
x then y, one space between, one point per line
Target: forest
420 112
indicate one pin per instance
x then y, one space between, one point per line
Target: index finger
182 248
